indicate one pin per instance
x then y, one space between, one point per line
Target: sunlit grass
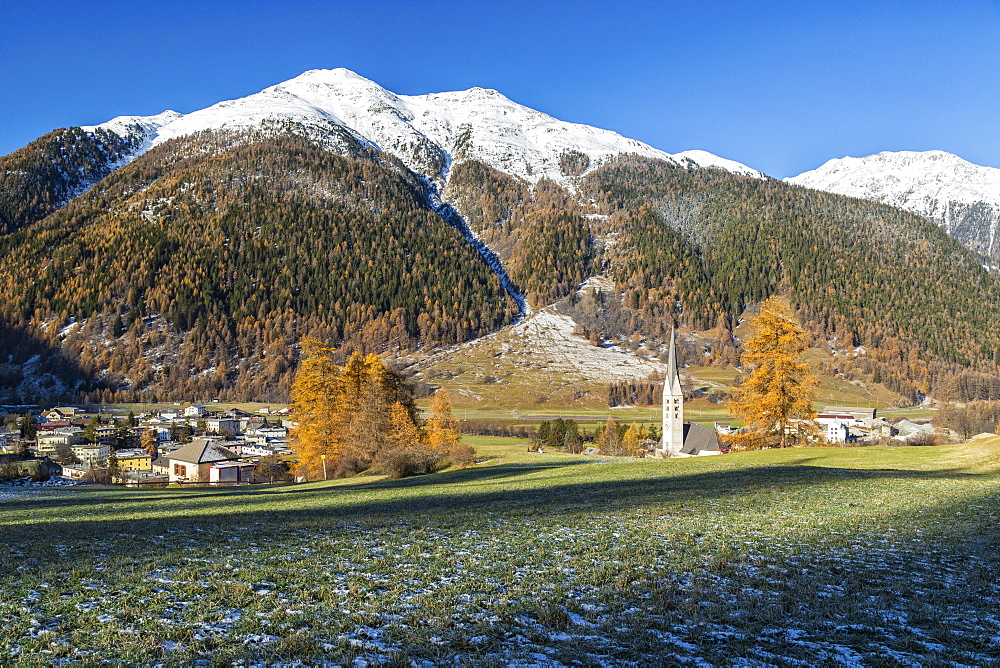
821 556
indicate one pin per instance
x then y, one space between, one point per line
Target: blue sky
780 86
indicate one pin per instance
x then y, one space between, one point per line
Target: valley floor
833 556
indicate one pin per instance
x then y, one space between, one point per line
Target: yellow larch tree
775 399
443 430
315 394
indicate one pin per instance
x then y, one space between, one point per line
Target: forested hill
44 175
195 269
705 244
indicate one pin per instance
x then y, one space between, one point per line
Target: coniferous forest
196 269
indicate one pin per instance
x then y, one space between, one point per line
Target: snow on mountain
962 197
427 132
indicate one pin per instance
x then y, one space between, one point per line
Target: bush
462 455
923 438
395 464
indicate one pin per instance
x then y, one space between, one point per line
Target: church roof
699 438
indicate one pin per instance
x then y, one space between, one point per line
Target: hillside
194 268
801 556
961 197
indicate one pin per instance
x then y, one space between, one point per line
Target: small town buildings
63 436
195 411
263 435
191 463
836 426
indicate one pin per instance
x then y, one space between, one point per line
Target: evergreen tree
90 431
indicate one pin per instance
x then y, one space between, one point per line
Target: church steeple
673 404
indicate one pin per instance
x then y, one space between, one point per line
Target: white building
837 426
92 454
195 411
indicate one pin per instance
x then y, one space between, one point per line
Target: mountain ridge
427 132
961 196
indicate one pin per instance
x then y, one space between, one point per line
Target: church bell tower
673 406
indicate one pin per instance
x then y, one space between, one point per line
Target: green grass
824 556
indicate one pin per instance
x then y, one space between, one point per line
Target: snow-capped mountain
962 197
427 132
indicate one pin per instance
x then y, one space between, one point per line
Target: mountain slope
962 197
45 175
195 269
700 247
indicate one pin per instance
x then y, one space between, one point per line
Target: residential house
191 463
134 460
48 442
195 411
92 454
836 426
220 424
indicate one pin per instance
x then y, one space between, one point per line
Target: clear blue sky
780 86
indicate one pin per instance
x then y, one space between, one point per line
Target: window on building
180 470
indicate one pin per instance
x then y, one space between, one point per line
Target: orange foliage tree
775 400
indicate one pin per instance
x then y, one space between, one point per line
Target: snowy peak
962 197
427 132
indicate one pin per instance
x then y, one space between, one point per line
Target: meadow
818 556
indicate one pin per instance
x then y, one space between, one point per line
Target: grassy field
832 556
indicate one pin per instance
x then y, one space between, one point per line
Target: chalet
60 413
195 411
191 463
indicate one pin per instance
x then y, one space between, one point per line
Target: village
194 445
186 445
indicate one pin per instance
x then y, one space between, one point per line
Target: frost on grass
765 576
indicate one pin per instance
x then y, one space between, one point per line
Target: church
681 439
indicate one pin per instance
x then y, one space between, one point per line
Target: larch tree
315 392
632 441
775 399
148 442
443 430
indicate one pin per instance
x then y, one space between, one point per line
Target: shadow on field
215 515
